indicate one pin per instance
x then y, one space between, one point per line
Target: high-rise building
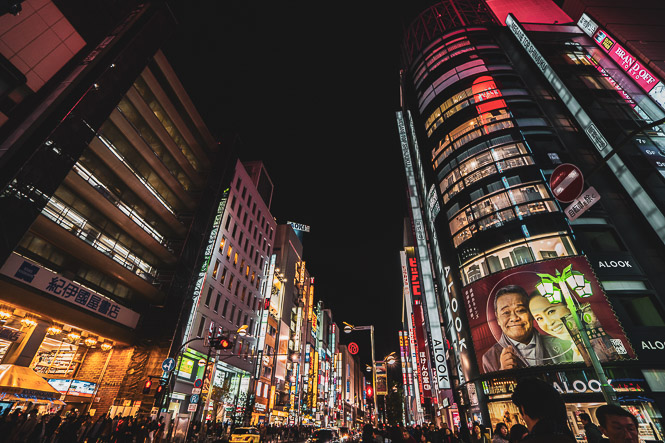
106 198
229 303
489 112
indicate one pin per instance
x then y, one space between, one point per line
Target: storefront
581 393
59 365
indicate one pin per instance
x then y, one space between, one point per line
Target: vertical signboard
440 366
411 339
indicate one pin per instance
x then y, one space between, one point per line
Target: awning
25 384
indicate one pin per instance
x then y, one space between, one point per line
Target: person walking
593 434
618 425
543 410
500 433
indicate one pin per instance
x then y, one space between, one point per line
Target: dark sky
311 89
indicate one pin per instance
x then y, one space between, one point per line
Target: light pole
554 288
348 328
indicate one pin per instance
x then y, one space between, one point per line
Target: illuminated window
230 282
214 272
500 208
242 264
476 127
229 252
223 277
235 259
221 245
247 271
486 163
514 254
253 276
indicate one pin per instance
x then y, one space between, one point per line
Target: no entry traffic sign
566 182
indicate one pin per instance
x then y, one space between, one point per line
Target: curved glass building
482 132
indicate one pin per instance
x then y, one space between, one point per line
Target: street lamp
348 328
558 287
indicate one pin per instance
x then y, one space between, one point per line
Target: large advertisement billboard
521 318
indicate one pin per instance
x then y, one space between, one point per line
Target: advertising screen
520 317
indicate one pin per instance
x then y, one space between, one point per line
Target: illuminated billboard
520 317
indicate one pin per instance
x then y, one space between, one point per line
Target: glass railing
124 208
71 220
145 183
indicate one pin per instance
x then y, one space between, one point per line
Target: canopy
25 384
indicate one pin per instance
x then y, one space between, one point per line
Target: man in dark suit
520 344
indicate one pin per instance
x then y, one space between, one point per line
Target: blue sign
194 398
168 365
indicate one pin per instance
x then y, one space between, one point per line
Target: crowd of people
541 408
544 413
25 425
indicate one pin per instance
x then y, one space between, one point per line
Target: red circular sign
566 182
353 348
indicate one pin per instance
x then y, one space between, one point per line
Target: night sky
311 89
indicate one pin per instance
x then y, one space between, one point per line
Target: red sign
566 182
353 348
627 61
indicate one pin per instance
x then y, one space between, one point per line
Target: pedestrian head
501 429
618 425
517 433
585 418
538 400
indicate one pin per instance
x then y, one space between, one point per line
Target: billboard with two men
521 317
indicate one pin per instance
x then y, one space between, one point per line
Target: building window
231 276
214 271
219 296
223 277
235 230
238 317
233 202
221 245
243 294
229 252
238 184
642 310
226 306
202 324
233 311
514 254
235 260
500 208
228 222
208 296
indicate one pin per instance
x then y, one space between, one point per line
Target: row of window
265 226
484 124
500 208
542 247
253 305
156 107
489 162
446 48
152 140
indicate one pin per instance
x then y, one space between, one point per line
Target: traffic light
146 386
160 392
369 392
222 342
